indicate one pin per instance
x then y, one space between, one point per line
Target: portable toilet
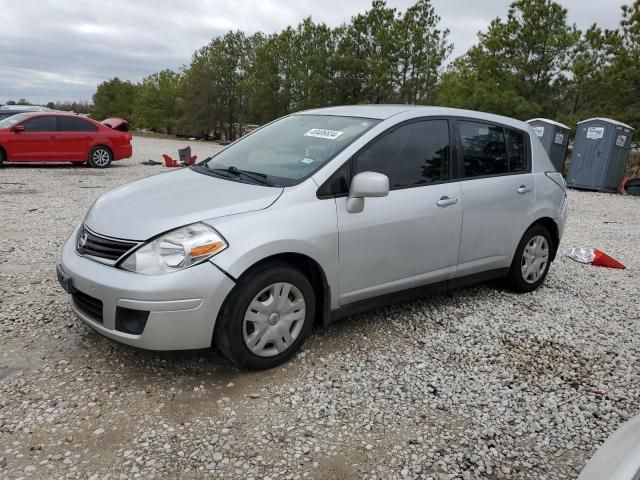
600 154
554 137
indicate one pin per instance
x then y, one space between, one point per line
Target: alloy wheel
101 157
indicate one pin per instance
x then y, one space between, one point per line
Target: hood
117 124
144 208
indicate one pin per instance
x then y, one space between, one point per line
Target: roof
380 112
550 122
607 120
58 113
383 112
24 108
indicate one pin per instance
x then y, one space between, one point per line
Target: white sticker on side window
322 133
539 131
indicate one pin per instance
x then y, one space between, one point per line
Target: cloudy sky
61 49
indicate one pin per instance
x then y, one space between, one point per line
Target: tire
531 252
2 157
256 296
100 157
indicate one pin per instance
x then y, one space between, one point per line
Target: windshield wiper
255 176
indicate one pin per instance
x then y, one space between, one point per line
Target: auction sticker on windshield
322 133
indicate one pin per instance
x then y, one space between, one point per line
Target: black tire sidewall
516 281
90 159
2 157
229 331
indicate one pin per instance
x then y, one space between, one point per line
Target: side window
516 151
483 148
40 124
414 154
70 124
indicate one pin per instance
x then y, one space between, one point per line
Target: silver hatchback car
313 217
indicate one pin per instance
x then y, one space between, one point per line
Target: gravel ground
477 383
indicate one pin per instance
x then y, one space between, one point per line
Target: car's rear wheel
532 260
267 317
100 157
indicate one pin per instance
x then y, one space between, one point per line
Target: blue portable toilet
600 154
554 137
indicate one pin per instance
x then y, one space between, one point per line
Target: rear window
489 150
71 124
516 151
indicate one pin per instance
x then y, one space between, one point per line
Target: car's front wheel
100 157
532 260
267 316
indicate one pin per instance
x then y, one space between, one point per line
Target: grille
92 307
101 247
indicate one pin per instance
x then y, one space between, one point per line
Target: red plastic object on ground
191 160
601 259
170 162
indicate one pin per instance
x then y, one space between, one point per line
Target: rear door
74 137
498 194
411 237
36 142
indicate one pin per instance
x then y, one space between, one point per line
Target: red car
61 137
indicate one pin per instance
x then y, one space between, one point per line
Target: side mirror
18 129
366 184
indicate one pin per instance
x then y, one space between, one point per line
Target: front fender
308 228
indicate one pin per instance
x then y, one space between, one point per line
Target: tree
366 57
157 104
585 91
624 74
114 98
423 48
514 68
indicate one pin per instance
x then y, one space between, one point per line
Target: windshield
291 148
12 120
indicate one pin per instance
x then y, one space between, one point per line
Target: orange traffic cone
601 259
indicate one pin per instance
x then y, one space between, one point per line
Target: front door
411 237
35 143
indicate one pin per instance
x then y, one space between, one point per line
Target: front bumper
183 306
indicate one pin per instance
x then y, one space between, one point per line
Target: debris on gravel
476 383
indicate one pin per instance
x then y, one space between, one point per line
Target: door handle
522 189
444 201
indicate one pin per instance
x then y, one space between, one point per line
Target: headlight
176 250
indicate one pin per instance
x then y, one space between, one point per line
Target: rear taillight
557 178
